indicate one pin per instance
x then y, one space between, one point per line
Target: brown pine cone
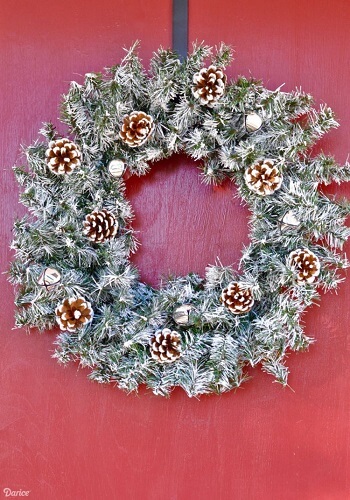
136 129
100 225
63 156
165 346
209 85
237 299
305 265
263 177
73 313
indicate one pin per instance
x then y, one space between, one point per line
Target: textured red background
64 437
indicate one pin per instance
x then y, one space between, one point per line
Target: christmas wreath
72 269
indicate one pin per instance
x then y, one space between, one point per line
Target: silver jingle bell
116 168
253 122
182 315
49 278
289 221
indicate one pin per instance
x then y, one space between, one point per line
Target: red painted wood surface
64 437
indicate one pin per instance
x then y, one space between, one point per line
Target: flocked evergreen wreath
72 266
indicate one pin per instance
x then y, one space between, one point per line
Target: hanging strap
180 27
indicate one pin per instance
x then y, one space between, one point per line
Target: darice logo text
15 493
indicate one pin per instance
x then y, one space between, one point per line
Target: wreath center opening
184 225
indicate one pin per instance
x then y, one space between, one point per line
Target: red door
64 437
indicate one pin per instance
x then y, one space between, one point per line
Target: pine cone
63 156
209 85
237 299
136 129
100 225
165 346
73 313
305 264
263 177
